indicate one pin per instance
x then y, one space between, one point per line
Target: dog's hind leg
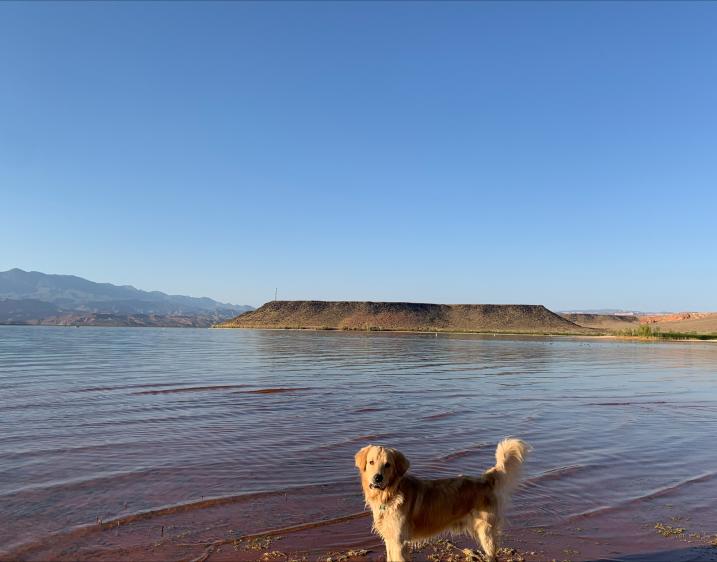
486 532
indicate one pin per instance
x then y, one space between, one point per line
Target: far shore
667 337
485 319
674 337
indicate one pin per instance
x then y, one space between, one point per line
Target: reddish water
174 444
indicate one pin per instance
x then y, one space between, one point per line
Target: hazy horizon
545 153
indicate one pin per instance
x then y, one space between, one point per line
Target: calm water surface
104 424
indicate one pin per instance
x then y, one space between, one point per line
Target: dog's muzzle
378 482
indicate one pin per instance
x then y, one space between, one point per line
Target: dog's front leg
396 550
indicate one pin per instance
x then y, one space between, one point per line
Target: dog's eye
370 462
387 465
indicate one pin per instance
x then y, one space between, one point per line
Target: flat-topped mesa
406 316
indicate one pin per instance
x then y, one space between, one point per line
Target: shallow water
236 432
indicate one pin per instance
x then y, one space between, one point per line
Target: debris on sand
274 555
510 555
256 543
348 555
669 530
443 550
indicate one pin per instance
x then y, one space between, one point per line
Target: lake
144 443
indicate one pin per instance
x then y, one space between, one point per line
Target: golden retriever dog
407 510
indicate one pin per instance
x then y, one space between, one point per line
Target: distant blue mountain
68 293
609 311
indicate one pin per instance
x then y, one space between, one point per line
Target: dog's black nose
378 478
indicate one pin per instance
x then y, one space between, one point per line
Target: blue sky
554 153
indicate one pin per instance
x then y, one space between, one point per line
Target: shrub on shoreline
648 332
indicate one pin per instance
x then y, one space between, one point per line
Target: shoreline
679 337
665 337
696 338
180 533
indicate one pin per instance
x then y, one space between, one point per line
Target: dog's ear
360 458
401 461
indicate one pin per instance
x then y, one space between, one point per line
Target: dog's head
381 468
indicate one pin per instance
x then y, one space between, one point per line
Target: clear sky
554 153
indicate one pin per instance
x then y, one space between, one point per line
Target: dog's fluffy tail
509 457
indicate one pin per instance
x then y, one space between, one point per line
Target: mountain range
32 297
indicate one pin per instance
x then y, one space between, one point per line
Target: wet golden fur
407 509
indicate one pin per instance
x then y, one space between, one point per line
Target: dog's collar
383 507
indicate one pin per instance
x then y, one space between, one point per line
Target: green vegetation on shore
646 331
